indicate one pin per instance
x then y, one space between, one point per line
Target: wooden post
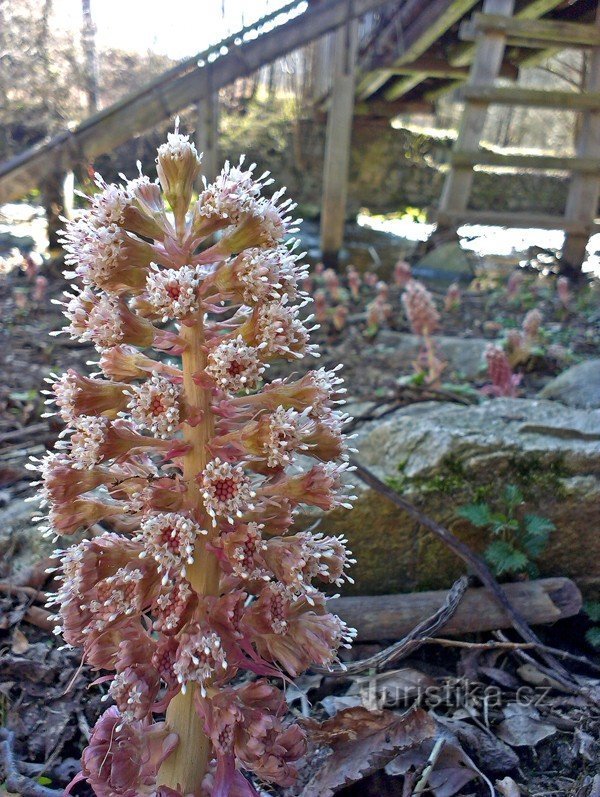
485 69
207 134
57 197
337 143
584 189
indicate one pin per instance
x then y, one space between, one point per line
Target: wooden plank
161 100
584 190
496 218
486 65
378 617
532 98
468 32
539 162
337 144
551 31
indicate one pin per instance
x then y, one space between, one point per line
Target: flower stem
186 766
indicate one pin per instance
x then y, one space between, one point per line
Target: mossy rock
441 456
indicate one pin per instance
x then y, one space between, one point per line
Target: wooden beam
169 95
440 68
378 617
550 31
463 54
584 190
532 98
467 32
372 81
539 162
486 65
388 110
207 135
337 144
436 18
498 218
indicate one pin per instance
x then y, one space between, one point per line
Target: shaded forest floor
548 746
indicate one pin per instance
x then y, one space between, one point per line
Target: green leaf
538 525
537 533
505 558
512 495
477 514
593 637
44 781
592 609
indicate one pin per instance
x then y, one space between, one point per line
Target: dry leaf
362 742
522 726
508 788
20 643
453 768
391 688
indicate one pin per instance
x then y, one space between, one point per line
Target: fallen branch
11 778
511 646
475 563
25 431
378 617
411 641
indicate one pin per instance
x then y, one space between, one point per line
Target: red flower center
225 490
156 406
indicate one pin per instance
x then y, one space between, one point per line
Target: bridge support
207 135
57 197
337 143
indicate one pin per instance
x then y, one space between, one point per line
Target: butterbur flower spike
197 459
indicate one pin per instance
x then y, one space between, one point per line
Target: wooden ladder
494 30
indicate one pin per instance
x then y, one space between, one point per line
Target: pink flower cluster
504 381
229 305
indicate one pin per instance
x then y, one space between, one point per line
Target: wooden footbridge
381 59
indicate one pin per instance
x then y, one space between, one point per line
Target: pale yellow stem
186 766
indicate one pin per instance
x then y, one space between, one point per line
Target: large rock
465 356
438 454
449 260
578 386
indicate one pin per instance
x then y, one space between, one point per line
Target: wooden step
510 219
534 98
540 162
551 32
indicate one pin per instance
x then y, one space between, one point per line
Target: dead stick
25 431
40 618
411 641
477 565
13 781
511 646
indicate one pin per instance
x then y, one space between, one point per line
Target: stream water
371 243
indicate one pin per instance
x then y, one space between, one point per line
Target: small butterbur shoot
402 273
504 382
563 292
197 457
518 540
522 344
514 286
424 318
453 298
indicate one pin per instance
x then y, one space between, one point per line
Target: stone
437 453
21 542
465 356
448 259
578 386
